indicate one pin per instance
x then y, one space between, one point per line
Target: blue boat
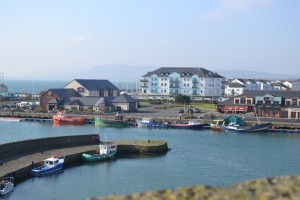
51 165
150 123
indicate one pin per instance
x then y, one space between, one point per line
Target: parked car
190 111
196 110
180 110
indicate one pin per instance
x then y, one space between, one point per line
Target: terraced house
192 81
273 103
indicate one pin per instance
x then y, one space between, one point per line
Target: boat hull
186 126
44 170
101 122
98 157
68 120
151 124
255 128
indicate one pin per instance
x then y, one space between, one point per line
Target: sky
60 36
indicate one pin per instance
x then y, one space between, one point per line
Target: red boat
62 118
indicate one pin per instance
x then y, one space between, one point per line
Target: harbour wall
18 158
16 149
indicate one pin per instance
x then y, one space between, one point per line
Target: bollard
1 164
32 164
42 152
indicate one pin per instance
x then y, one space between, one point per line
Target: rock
276 188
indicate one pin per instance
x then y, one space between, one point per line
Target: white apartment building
170 81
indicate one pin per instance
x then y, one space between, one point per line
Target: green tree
182 99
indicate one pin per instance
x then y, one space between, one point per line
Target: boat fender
54 156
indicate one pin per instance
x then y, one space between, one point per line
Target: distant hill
116 71
121 72
254 74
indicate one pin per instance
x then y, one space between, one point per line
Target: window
294 102
293 114
165 84
161 84
236 101
288 103
243 100
249 101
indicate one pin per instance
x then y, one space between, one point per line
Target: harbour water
198 157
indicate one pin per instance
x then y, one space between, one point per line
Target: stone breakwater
18 158
275 188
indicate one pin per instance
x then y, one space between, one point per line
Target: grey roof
184 71
235 85
275 93
92 84
85 101
124 98
65 92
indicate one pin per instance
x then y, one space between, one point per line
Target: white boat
51 165
7 185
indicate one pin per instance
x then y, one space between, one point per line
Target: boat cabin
51 162
106 148
147 120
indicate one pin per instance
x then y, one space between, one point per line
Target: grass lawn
207 106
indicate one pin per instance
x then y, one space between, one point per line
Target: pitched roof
276 93
124 98
185 71
92 84
235 85
83 101
65 92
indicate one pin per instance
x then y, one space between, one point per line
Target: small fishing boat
117 122
106 151
150 123
51 165
217 125
7 185
62 118
262 127
192 124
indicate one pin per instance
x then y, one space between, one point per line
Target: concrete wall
13 150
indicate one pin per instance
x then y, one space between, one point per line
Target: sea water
197 157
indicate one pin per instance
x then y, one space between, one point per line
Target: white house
191 81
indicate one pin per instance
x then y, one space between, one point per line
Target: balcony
144 86
194 86
176 92
174 86
144 80
174 81
195 81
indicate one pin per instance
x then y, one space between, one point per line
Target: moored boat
7 185
117 122
150 123
106 151
192 124
217 125
262 127
62 118
51 165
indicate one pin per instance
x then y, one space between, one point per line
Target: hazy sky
55 36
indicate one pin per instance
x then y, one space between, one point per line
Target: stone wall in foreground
276 188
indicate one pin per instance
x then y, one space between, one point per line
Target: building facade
170 81
273 103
